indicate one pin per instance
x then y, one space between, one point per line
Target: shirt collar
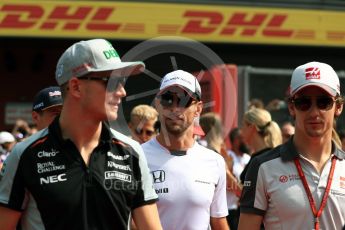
55 129
289 151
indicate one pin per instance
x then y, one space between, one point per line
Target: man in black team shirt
79 173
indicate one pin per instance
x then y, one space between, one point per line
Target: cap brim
326 88
124 68
51 106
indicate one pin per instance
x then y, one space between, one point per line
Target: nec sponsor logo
158 176
53 179
43 153
312 73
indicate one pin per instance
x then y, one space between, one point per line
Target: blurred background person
47 104
198 131
287 129
142 123
341 134
7 141
240 157
212 125
22 130
260 132
256 103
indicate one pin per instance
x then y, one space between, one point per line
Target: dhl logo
198 22
71 18
214 24
202 22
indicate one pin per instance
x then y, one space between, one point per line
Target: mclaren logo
158 176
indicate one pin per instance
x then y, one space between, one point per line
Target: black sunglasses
112 83
304 103
146 131
183 99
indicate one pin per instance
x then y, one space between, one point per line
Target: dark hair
234 133
341 134
64 88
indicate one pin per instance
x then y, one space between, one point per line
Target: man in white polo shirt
188 178
301 184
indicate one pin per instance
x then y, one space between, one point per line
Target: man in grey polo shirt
301 184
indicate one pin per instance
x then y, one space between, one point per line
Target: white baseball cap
315 74
6 137
94 55
181 79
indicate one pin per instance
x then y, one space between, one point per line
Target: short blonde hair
144 112
268 129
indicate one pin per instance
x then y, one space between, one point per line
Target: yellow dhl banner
207 23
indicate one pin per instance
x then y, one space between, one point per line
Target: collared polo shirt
273 189
46 178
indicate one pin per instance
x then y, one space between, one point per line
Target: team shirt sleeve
219 205
254 199
146 193
12 190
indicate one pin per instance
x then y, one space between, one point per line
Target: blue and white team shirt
191 187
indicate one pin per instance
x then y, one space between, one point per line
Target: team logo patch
283 179
54 94
108 175
312 73
342 182
158 176
247 183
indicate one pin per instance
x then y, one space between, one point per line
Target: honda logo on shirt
158 176
312 73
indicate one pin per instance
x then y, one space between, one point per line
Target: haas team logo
312 73
283 179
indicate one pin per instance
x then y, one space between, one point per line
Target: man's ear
74 87
35 117
291 108
198 110
338 109
155 103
